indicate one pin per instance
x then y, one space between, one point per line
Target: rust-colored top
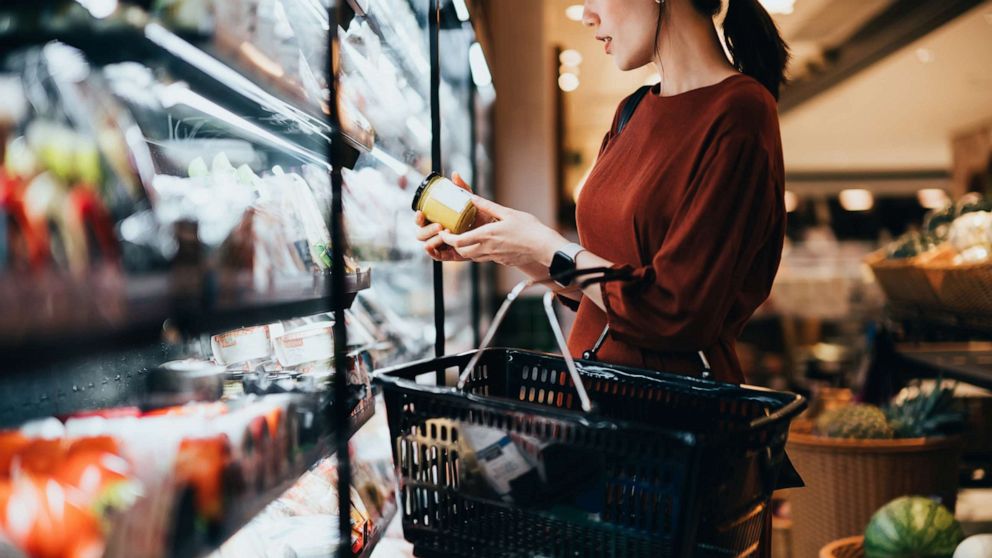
690 197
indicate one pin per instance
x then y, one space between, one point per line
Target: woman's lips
607 43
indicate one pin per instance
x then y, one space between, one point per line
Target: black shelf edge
213 314
967 362
324 449
947 322
86 321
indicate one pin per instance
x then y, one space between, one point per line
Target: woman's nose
589 17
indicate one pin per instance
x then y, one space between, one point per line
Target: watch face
561 263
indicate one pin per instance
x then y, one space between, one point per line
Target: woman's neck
690 54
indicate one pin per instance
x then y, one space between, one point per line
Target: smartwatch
564 262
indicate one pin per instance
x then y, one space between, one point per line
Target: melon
977 546
912 527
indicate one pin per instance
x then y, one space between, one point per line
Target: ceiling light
570 57
461 9
575 12
924 55
568 82
933 198
857 200
784 7
477 62
791 201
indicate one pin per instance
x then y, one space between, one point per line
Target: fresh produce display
914 413
975 546
964 229
860 421
912 527
917 414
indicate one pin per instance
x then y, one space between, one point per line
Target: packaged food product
310 343
444 203
241 345
181 381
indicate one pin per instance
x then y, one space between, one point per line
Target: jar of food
444 203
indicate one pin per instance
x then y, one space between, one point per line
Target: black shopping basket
664 465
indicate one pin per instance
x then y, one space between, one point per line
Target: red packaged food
41 517
203 463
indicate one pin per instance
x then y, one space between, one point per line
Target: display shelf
238 305
265 113
379 531
967 362
946 322
324 448
415 69
57 318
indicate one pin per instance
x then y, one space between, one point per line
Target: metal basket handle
549 310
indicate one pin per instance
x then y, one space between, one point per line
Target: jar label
454 198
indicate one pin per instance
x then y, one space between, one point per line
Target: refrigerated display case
207 248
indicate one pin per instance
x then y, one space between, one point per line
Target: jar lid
423 186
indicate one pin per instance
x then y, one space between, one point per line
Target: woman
688 198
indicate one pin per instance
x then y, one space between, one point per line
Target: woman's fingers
470 238
459 181
436 243
427 233
491 208
474 252
420 219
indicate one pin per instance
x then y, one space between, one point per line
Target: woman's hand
515 238
428 233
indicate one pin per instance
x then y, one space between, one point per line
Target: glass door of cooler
166 270
385 100
466 96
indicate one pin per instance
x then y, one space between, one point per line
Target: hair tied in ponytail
755 45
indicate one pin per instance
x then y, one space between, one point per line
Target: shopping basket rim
792 403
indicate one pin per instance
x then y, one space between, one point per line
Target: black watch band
564 262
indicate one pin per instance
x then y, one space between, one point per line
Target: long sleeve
725 217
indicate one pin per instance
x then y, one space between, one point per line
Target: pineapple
859 421
920 413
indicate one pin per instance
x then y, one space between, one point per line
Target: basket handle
549 310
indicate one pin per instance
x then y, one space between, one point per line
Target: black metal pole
475 273
338 408
433 30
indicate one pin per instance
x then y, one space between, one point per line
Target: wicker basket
848 480
851 547
903 281
963 288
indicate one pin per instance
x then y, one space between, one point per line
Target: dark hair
755 45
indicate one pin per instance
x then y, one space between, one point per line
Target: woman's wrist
544 252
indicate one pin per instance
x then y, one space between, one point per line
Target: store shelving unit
87 341
84 318
324 448
940 343
935 341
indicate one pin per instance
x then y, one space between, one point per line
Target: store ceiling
901 113
898 114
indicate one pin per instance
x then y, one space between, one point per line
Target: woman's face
626 28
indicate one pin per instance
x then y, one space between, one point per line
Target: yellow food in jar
444 203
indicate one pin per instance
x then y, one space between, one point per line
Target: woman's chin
626 64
